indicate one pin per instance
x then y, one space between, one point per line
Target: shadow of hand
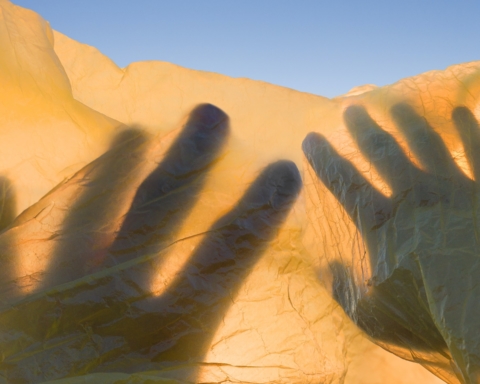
421 301
92 308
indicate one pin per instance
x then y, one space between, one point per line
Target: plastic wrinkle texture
165 225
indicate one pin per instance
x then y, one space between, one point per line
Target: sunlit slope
284 326
46 134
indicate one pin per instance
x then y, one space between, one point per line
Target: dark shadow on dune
161 202
168 194
101 185
177 328
112 315
395 311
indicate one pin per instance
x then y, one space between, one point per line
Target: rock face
124 297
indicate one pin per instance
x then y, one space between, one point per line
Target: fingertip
317 150
204 134
208 116
284 182
462 113
312 141
283 171
357 119
399 109
355 111
404 114
128 136
288 173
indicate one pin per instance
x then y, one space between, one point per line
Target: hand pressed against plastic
92 306
423 242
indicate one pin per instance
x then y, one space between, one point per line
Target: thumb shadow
101 183
376 311
8 207
8 203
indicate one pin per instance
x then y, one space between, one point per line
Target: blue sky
321 47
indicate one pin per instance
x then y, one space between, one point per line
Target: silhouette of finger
82 302
469 131
426 144
360 199
181 322
234 244
108 315
165 197
344 290
381 149
7 203
78 249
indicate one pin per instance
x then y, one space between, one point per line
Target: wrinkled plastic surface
162 239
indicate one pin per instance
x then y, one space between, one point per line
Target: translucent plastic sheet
163 239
